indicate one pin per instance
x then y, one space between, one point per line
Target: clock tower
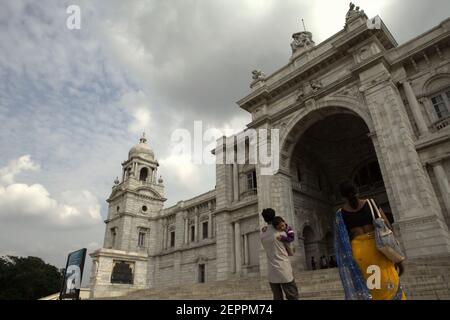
130 238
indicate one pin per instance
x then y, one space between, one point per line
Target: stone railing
441 124
249 193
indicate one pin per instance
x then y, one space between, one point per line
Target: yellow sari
365 255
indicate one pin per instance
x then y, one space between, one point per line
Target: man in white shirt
280 275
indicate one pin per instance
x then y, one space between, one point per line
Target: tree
27 278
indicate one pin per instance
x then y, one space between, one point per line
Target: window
141 239
113 237
172 239
441 104
205 229
122 272
201 273
192 233
251 180
144 208
143 174
299 174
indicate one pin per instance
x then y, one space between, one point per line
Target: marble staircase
427 278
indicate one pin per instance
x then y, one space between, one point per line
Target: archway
310 248
143 174
332 148
329 244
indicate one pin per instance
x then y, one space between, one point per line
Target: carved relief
300 93
315 85
352 92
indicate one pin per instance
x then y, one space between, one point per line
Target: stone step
423 279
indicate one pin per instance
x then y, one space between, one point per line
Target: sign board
73 274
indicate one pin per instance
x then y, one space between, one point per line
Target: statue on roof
354 11
302 40
258 75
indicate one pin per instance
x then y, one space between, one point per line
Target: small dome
142 149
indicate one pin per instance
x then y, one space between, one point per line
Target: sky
73 102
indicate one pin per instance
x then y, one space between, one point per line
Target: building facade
356 106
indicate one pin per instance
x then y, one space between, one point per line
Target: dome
142 149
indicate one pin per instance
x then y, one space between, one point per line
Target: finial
143 139
160 180
304 28
116 182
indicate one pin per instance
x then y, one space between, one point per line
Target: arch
143 174
147 191
329 243
314 112
436 83
308 234
310 248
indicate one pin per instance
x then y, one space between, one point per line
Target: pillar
442 180
415 108
196 225
423 232
186 229
164 244
235 182
246 258
237 247
210 228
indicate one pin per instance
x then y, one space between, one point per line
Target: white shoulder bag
384 237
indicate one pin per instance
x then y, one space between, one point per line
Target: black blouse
358 218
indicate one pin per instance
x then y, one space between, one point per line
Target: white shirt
278 263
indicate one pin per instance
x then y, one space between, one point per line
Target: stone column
164 244
415 108
246 257
237 246
442 180
235 182
186 229
210 235
224 244
423 232
155 176
196 225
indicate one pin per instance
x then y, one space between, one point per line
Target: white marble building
356 106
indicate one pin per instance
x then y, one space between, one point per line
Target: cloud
136 104
24 163
22 202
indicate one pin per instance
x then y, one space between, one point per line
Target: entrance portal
333 149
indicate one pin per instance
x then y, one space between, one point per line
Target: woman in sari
356 252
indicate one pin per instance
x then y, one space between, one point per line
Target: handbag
384 237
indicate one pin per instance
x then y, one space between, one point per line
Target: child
288 236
